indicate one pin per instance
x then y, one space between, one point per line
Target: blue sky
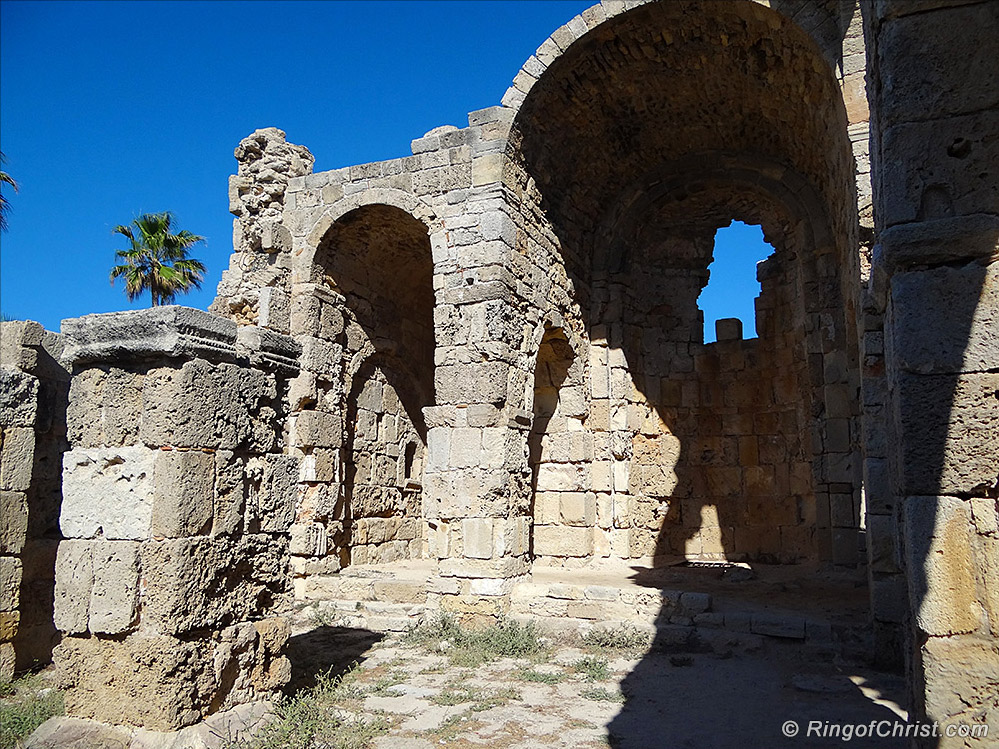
112 109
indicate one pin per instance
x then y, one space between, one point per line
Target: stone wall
935 123
178 498
33 392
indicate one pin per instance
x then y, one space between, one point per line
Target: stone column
177 500
936 111
476 479
33 388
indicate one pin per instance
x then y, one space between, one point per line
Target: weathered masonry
489 354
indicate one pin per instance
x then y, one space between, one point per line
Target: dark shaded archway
378 259
631 149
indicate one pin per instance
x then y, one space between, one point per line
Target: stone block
986 515
13 521
965 339
160 332
939 565
229 505
917 65
562 477
18 399
987 556
882 554
184 488
318 429
728 329
164 683
930 174
17 457
108 492
278 493
74 581
888 599
11 572
209 406
268 350
477 537
950 425
202 583
114 596
960 673
563 541
274 308
578 508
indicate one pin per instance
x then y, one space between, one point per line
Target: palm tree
5 179
156 259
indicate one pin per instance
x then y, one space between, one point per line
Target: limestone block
562 541
940 168
318 429
105 407
114 597
986 515
229 503
214 406
74 581
17 454
145 679
888 599
578 508
916 65
278 493
950 423
562 477
168 331
965 339
471 568
198 583
184 486
11 572
18 399
477 537
466 447
108 492
987 555
274 310
438 448
960 673
882 555
13 521
940 569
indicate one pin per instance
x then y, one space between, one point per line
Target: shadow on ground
324 649
681 697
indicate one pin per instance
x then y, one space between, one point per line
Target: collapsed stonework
489 354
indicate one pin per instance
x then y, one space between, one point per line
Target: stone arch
562 507
637 134
373 272
826 24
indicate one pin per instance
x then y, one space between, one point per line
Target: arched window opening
733 285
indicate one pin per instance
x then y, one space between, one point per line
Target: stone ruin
489 355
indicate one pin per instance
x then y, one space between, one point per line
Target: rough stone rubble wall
177 502
33 391
936 280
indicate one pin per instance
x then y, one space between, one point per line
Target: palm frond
157 260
